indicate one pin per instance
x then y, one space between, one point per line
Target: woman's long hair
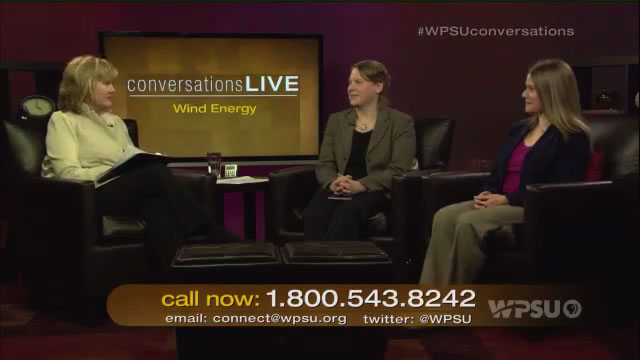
557 89
78 79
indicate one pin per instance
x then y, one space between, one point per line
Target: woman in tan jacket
363 147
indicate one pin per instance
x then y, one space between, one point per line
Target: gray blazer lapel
346 131
382 124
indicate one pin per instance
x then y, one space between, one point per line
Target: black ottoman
241 263
308 262
344 262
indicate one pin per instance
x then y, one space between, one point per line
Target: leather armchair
572 232
394 231
68 253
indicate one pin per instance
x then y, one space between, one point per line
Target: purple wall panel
475 80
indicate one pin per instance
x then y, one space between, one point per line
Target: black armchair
69 254
572 232
394 232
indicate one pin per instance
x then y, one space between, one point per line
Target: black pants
341 220
170 211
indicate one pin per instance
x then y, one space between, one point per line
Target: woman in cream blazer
84 139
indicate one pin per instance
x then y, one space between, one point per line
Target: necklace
363 127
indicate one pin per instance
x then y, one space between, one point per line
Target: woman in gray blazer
363 147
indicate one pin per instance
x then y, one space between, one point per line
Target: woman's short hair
376 72
557 89
78 79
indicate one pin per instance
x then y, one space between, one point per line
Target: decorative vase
606 99
603 99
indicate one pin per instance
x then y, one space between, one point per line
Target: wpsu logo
535 309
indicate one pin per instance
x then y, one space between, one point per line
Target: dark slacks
341 220
170 211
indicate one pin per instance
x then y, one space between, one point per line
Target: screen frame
253 160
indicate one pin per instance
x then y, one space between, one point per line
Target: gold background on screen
280 126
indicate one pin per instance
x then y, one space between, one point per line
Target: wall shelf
616 74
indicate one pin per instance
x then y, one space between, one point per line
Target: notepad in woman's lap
340 197
135 159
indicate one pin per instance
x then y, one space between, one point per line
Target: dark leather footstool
336 262
238 263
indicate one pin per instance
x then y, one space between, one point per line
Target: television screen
249 97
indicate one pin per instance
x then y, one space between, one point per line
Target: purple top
512 179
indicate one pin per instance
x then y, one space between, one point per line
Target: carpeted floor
28 335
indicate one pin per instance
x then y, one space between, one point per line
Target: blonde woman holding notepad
84 140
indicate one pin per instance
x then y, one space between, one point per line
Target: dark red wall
477 81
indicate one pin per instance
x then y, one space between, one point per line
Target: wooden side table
248 204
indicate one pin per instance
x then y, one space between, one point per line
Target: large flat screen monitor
249 97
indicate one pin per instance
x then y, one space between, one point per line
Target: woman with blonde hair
553 145
363 147
84 139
